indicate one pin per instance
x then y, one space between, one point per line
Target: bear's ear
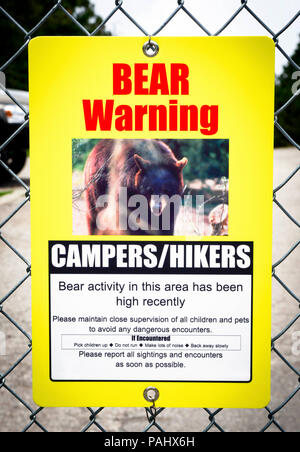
182 163
141 163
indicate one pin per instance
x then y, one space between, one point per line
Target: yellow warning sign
151 220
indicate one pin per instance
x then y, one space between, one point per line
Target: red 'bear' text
150 80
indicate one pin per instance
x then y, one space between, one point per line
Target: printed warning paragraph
151 327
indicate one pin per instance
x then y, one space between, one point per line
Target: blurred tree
28 13
290 118
80 152
208 159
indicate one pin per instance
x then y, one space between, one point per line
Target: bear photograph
157 187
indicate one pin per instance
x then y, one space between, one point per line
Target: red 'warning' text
150 80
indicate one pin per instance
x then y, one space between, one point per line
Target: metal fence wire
153 418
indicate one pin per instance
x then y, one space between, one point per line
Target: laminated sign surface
151 220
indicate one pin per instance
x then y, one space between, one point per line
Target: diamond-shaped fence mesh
17 411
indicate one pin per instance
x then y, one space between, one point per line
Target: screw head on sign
150 48
151 394
119 2
180 2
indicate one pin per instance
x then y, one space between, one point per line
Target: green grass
3 193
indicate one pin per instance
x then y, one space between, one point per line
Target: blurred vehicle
11 118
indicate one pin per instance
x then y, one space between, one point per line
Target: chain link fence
31 417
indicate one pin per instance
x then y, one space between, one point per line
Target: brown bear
116 172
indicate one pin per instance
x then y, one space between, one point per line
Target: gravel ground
14 416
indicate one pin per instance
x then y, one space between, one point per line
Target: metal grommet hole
151 48
151 394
